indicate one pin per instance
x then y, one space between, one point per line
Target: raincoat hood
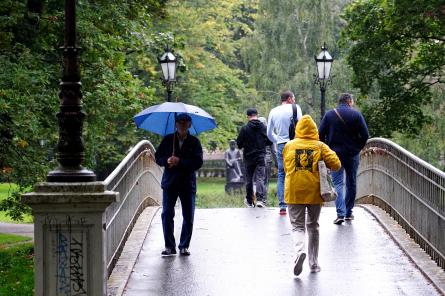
306 128
255 124
300 163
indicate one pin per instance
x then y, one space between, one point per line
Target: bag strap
320 145
294 112
339 116
351 132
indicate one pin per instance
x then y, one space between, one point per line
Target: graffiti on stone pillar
76 266
63 279
70 254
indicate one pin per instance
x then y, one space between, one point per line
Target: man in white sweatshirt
278 132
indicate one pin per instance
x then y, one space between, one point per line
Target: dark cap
183 116
251 112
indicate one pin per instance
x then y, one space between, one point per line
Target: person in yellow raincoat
302 188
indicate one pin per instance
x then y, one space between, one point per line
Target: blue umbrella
160 119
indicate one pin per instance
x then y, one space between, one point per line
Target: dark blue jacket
183 175
345 140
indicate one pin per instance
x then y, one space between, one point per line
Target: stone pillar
69 237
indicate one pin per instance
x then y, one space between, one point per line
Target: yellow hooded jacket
300 157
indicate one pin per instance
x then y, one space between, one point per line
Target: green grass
5 189
211 194
16 266
9 239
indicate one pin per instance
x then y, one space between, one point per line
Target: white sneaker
260 204
298 268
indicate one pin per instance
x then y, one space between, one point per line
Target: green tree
208 36
30 35
395 49
429 143
280 52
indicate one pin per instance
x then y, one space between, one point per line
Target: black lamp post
168 66
324 62
70 149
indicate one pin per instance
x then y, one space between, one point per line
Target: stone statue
232 157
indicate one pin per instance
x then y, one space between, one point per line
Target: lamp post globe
324 63
168 67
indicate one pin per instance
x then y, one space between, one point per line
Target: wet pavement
250 252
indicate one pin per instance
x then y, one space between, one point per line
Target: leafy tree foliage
30 35
396 52
233 54
280 52
208 35
120 43
429 144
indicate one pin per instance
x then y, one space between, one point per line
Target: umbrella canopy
160 119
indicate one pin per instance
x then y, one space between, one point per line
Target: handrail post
69 233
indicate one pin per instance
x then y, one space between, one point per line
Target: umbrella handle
174 138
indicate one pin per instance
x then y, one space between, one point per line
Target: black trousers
255 174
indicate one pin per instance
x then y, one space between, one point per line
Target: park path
19 229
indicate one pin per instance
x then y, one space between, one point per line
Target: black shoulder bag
293 122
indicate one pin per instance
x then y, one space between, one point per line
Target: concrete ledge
124 266
418 256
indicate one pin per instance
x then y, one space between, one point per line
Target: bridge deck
250 252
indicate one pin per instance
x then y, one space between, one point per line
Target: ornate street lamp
70 149
324 63
168 66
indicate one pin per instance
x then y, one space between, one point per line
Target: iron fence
137 179
409 189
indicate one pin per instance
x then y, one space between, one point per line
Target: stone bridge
105 238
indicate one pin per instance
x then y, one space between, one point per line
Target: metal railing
409 189
137 179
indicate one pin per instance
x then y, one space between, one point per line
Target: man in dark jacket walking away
181 156
252 138
345 131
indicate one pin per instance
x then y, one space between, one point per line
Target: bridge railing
137 179
409 189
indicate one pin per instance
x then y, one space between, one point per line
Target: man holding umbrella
181 155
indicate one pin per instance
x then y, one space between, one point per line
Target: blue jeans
346 194
281 176
169 198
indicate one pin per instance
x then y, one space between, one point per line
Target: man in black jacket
252 138
181 156
345 131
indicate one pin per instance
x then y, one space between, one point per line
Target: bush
17 270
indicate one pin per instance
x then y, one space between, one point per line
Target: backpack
293 122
